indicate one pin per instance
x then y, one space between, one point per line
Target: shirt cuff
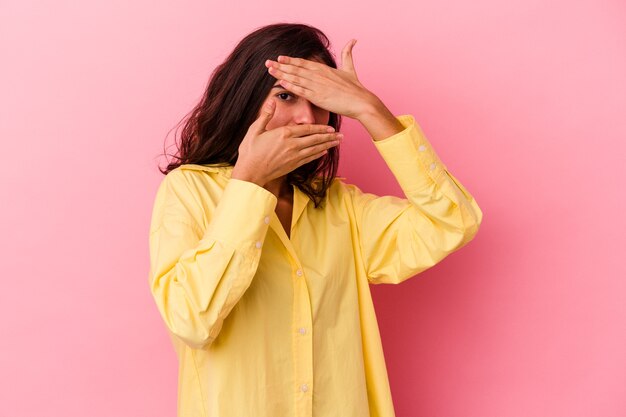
242 216
411 157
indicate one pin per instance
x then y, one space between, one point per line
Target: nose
304 113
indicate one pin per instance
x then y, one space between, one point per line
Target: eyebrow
277 86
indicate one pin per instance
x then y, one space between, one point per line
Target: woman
261 257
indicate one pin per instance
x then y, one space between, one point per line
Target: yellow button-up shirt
270 326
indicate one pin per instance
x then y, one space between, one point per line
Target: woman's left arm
398 237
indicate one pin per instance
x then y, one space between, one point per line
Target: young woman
260 257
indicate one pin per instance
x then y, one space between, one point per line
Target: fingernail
330 129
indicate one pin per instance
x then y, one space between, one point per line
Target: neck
279 187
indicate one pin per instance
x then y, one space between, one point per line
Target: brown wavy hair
215 127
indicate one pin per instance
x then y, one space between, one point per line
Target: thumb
267 111
347 61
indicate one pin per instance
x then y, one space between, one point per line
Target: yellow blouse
269 326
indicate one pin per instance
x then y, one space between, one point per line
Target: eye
281 95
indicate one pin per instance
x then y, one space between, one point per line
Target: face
292 109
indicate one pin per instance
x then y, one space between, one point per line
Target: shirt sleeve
196 277
400 237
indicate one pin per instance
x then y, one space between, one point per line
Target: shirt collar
300 199
223 170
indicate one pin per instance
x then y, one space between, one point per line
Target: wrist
371 106
379 121
242 174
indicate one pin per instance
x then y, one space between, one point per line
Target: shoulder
188 192
341 192
190 176
340 187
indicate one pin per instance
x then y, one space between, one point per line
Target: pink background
525 103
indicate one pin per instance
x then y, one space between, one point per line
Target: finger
301 62
313 152
312 157
319 140
300 90
267 112
279 70
294 77
298 131
347 63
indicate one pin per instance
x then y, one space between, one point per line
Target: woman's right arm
197 277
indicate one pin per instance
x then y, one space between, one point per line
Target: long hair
236 90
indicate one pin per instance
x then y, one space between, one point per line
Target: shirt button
422 148
304 387
302 330
267 219
432 166
299 272
258 245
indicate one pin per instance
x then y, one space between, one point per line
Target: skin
290 110
307 91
